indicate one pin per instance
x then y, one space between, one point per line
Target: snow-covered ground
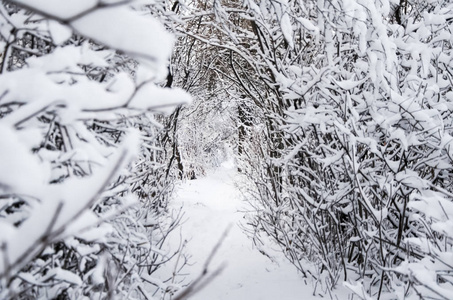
211 205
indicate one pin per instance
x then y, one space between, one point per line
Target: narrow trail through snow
211 204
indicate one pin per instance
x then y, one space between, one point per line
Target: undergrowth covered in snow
83 187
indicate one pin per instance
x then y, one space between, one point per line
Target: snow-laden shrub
77 220
365 178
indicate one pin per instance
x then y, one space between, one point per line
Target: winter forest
335 115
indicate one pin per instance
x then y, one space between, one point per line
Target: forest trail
212 204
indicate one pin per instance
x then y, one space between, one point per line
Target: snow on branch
79 89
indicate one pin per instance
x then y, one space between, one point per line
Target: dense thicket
84 183
350 148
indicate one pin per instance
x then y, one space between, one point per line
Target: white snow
211 205
116 26
25 172
60 9
121 28
287 30
59 32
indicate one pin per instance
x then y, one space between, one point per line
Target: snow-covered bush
77 220
368 149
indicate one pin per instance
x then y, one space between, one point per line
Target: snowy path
211 204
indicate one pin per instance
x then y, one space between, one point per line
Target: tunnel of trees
339 113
